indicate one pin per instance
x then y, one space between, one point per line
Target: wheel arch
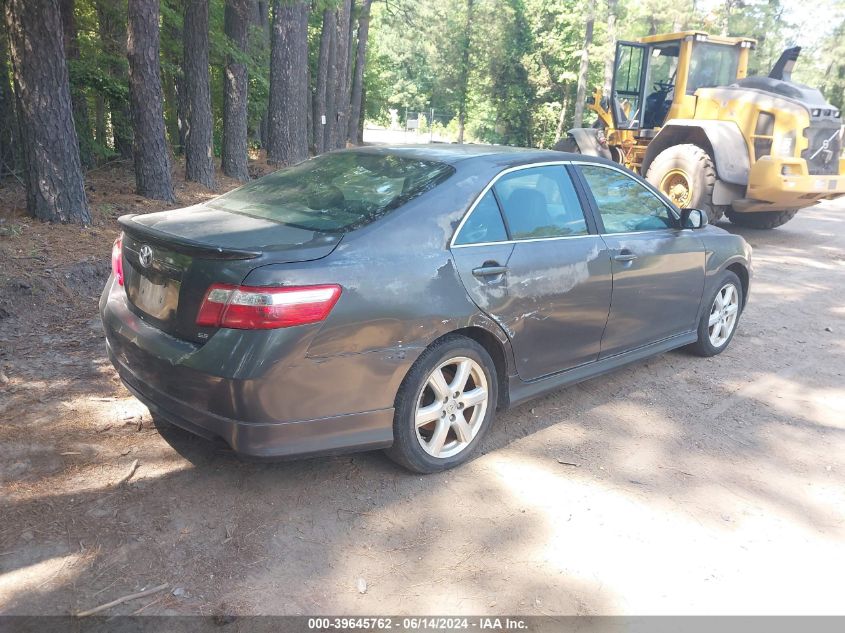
490 336
722 140
499 352
740 270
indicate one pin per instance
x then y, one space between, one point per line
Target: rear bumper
322 436
769 188
262 396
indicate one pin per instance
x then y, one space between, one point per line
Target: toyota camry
398 297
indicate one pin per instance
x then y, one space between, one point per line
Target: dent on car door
658 268
548 282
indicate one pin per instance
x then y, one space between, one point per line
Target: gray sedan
398 297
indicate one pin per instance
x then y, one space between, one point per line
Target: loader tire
761 219
686 175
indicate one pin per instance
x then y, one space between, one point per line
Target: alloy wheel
451 407
723 315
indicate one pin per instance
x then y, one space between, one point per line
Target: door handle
489 271
624 256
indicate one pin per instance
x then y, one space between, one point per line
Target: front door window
624 204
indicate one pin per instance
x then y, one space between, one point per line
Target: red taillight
261 308
117 259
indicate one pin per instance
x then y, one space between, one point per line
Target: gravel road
675 486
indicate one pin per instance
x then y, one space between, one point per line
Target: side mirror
694 219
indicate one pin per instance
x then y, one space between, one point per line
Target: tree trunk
309 111
181 109
264 129
320 118
78 98
112 26
342 81
612 8
581 92
171 111
726 18
363 113
171 76
331 88
463 86
55 190
100 120
234 157
8 118
561 121
262 20
288 143
152 160
199 150
358 78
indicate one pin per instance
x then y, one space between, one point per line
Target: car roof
454 153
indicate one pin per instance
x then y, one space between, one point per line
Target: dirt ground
676 486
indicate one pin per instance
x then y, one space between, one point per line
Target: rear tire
686 175
761 219
445 406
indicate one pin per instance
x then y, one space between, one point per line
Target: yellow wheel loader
683 113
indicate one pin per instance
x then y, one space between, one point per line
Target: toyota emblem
145 255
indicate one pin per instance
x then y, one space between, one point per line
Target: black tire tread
405 451
703 347
761 219
703 162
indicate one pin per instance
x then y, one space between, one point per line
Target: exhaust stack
785 63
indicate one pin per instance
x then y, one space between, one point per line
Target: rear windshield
335 192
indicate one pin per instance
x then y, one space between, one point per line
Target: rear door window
540 202
484 223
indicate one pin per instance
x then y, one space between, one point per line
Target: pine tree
581 91
55 190
235 99
9 144
152 160
463 84
342 81
78 98
320 117
199 149
112 19
358 77
288 116
330 127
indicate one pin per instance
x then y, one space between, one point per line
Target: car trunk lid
172 257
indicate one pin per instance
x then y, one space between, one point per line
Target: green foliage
520 71
525 54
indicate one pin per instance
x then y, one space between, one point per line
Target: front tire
718 323
445 406
761 219
686 175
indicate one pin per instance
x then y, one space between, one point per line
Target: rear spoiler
180 244
785 63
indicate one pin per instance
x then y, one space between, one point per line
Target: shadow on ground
671 486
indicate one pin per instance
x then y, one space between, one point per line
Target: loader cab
655 78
